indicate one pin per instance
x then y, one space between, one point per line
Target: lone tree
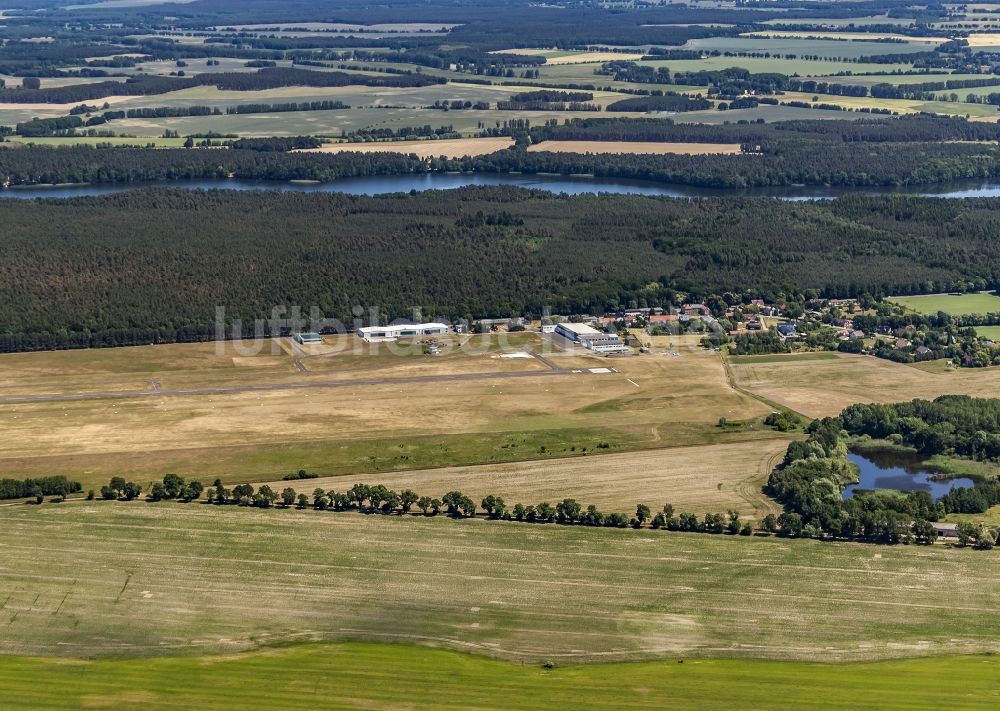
172 485
406 500
359 493
265 497
568 511
243 494
494 506
459 504
191 491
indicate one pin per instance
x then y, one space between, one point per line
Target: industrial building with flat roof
590 338
308 338
403 330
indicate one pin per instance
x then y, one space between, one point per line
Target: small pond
903 471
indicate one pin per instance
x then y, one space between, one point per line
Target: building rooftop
403 327
581 329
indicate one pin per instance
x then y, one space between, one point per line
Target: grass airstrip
243 414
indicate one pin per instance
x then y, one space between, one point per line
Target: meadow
954 304
357 675
115 579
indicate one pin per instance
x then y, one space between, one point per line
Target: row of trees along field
379 499
905 151
814 471
152 265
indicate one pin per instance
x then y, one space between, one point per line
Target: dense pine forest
152 265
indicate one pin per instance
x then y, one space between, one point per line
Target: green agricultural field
357 675
369 108
198 66
947 108
843 22
158 141
905 79
956 305
785 66
332 123
766 112
991 332
828 48
118 580
782 358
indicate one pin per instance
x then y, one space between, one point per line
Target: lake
902 471
571 185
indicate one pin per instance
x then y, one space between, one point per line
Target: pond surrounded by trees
901 471
572 185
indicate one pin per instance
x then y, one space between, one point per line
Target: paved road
266 387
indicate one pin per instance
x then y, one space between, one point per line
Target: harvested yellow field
820 388
590 57
637 147
449 147
568 56
703 479
984 39
59 108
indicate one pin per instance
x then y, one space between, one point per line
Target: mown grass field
361 676
956 305
120 580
